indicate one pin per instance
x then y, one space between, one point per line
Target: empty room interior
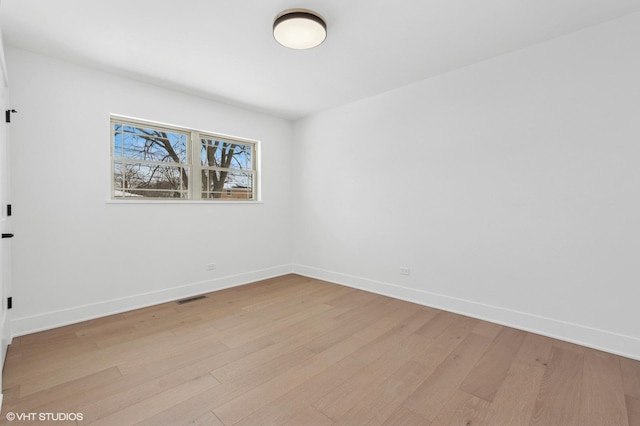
320 212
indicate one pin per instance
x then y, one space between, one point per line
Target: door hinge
9 302
7 115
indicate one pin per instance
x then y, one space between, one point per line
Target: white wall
77 256
510 188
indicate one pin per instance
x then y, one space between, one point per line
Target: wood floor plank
374 375
48 337
383 400
338 402
353 322
438 347
309 417
559 399
435 391
486 377
69 345
404 319
256 359
391 338
296 338
463 409
535 350
568 346
33 366
132 372
323 322
146 389
227 305
282 362
221 395
237 409
230 370
41 382
252 401
136 378
37 359
207 419
310 292
51 399
245 405
633 410
191 411
146 408
354 298
630 376
287 406
162 330
405 417
438 324
287 301
603 399
488 329
175 356
234 337
514 402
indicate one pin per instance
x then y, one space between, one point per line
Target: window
152 161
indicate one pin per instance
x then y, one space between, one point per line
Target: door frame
5 218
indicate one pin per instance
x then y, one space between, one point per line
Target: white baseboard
603 340
49 320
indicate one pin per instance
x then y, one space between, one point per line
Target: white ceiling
224 49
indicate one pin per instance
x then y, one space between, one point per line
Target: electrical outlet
211 266
405 271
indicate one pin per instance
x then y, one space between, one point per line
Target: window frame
192 163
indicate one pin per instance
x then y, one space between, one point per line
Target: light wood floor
297 351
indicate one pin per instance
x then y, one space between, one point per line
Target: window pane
117 140
215 153
118 180
225 184
145 180
149 144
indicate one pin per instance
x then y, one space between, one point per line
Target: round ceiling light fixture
299 29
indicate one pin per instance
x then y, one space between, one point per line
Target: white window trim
194 165
186 201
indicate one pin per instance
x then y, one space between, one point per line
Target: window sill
180 202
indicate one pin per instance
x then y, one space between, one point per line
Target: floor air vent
191 299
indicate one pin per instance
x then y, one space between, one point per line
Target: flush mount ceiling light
299 29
